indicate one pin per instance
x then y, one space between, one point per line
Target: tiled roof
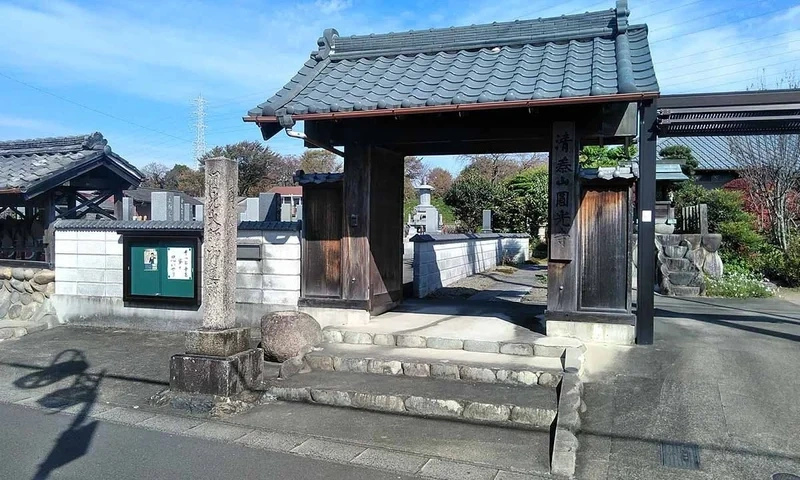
712 153
289 190
142 194
316 178
188 225
575 55
24 164
669 171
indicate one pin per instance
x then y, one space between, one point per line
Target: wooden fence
693 219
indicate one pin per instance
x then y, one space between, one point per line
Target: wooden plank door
604 219
322 236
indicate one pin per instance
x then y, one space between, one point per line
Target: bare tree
155 175
770 164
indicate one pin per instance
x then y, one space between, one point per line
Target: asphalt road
38 445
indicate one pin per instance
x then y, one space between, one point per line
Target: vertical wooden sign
563 191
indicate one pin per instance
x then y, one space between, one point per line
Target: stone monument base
217 343
217 375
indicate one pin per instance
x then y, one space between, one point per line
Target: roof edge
619 97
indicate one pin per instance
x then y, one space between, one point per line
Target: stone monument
218 359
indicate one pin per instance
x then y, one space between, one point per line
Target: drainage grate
784 476
680 455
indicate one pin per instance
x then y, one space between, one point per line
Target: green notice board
162 268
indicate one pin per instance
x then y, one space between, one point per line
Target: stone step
679 291
443 364
509 405
542 346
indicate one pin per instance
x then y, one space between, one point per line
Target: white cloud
30 124
331 6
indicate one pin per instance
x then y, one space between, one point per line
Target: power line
718 67
100 112
736 45
735 71
686 34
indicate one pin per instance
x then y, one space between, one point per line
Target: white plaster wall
441 263
88 266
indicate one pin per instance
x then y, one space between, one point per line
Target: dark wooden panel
355 241
603 223
322 235
562 284
386 228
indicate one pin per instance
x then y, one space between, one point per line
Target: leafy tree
684 154
320 160
441 180
468 197
259 167
187 179
593 156
532 187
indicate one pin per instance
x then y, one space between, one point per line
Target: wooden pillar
646 193
118 204
562 271
372 256
386 229
355 241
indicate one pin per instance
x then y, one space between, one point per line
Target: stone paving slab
489 321
444 470
521 406
401 462
396 361
328 450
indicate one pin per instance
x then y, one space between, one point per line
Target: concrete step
537 345
522 407
444 364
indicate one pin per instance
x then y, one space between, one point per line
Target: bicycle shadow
74 442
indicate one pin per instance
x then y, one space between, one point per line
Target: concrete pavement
110 374
722 375
41 446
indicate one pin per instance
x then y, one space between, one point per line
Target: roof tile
567 56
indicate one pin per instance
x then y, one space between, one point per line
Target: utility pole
199 115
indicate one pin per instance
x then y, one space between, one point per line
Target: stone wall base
328 316
593 332
221 376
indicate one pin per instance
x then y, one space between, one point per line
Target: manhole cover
680 455
784 476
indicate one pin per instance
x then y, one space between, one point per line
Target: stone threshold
543 346
443 364
515 406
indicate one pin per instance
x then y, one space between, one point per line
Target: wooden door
604 223
322 237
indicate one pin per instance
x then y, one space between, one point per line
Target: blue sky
131 69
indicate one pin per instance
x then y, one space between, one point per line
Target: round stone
26 286
712 242
43 277
38 297
26 298
14 311
287 334
29 273
18 273
5 273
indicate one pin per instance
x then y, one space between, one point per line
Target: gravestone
177 208
162 205
187 212
269 206
198 213
487 221
127 209
218 359
251 210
